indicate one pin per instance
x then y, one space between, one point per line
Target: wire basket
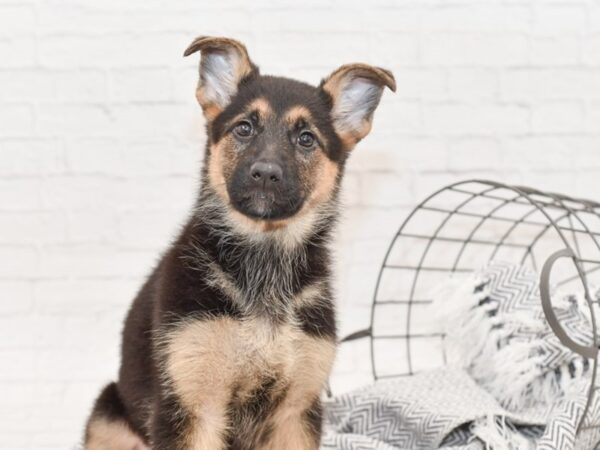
460 228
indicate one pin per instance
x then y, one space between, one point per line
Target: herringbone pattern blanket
515 386
446 409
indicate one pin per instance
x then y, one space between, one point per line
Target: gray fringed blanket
446 409
516 388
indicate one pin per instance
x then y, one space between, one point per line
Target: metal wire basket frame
495 221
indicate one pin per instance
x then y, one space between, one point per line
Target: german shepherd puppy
230 341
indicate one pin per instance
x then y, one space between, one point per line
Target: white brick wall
101 138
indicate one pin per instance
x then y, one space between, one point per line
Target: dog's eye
243 129
306 139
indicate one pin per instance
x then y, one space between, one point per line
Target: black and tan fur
229 343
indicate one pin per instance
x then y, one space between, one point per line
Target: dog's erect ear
223 65
355 90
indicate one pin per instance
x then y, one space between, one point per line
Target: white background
101 142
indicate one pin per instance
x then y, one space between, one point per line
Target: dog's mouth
261 204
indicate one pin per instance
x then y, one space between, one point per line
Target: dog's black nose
266 172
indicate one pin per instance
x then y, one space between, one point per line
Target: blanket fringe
510 368
497 433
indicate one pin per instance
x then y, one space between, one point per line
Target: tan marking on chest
311 295
206 360
208 356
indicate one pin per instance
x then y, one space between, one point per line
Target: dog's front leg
199 369
296 423
203 428
296 428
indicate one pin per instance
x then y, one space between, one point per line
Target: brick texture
101 141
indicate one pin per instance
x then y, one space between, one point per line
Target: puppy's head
276 146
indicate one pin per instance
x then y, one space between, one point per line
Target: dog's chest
266 351
225 355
